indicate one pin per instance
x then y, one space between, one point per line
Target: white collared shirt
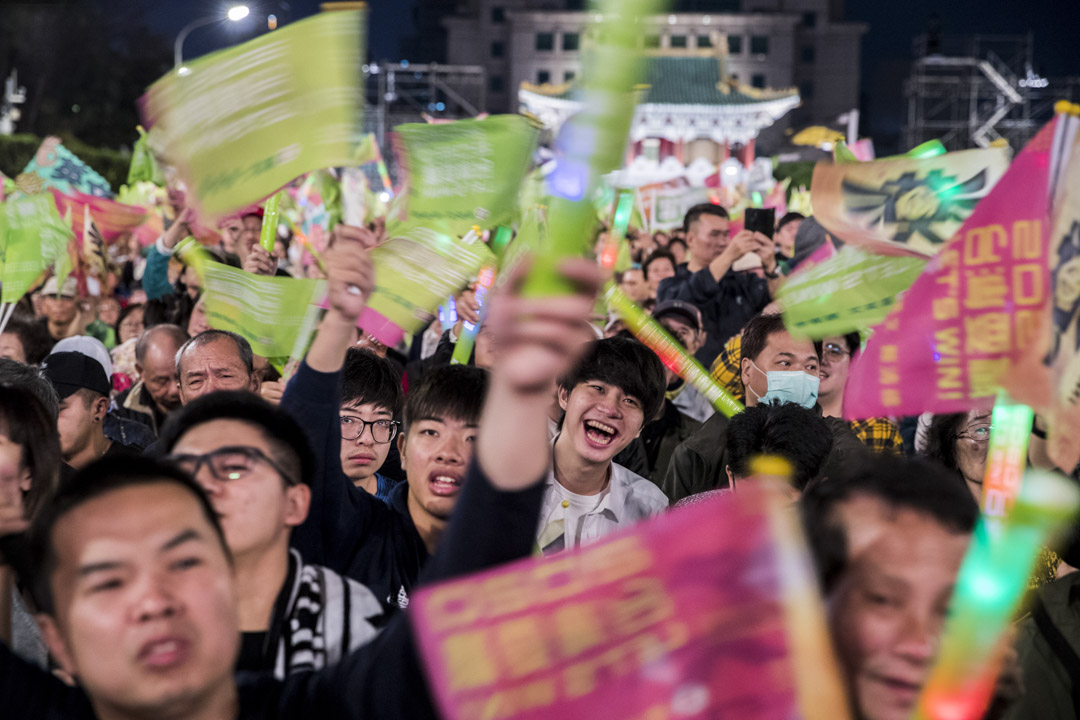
568 520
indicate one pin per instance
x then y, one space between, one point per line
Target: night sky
886 47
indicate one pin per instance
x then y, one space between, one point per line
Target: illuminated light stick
674 357
1006 459
592 142
623 209
464 346
989 587
270 223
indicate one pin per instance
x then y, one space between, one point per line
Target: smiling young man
371 403
616 387
888 538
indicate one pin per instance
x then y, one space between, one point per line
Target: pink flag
113 219
979 303
689 615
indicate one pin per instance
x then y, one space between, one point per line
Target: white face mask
788 386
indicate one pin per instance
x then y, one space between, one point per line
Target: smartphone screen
762 220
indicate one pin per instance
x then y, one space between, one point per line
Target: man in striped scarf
255 464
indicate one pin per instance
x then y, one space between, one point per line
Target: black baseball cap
72 371
684 311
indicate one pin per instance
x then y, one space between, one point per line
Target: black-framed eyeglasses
979 434
382 431
231 463
833 352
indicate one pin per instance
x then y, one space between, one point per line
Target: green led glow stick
623 209
270 223
593 141
989 588
671 353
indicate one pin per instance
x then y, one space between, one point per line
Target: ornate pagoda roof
687 97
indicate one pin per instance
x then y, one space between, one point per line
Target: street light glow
238 12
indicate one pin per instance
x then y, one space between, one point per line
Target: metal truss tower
972 91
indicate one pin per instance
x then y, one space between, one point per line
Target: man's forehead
782 342
367 407
217 433
220 349
144 516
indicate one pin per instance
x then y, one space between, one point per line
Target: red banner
113 219
701 613
957 332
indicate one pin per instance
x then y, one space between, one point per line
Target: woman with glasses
837 354
959 442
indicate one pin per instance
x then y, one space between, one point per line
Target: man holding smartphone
727 299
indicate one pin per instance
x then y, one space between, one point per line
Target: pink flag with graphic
958 331
696 614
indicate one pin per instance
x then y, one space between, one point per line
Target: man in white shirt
612 392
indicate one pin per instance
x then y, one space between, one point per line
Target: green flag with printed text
241 123
277 315
852 291
465 173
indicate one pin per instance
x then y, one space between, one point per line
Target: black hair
675 240
450 391
174 332
100 478
33 337
26 422
790 431
853 340
369 378
755 335
901 484
660 254
700 209
789 218
243 347
13 372
288 440
124 312
941 439
626 364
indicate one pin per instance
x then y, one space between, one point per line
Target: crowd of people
187 534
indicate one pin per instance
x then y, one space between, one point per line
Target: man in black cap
83 387
683 321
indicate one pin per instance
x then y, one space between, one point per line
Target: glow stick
270 223
989 588
464 347
671 353
1006 459
593 141
610 254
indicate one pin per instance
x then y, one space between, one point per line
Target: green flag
33 238
144 167
243 122
465 173
277 315
852 291
415 272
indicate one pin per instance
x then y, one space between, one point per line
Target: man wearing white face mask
775 367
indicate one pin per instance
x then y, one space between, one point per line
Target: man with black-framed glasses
254 463
371 404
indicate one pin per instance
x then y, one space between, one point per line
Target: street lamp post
234 14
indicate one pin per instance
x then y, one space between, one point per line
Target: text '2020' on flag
955 334
243 122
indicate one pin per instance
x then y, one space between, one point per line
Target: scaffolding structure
975 90
397 93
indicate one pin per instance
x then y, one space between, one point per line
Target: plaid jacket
880 434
